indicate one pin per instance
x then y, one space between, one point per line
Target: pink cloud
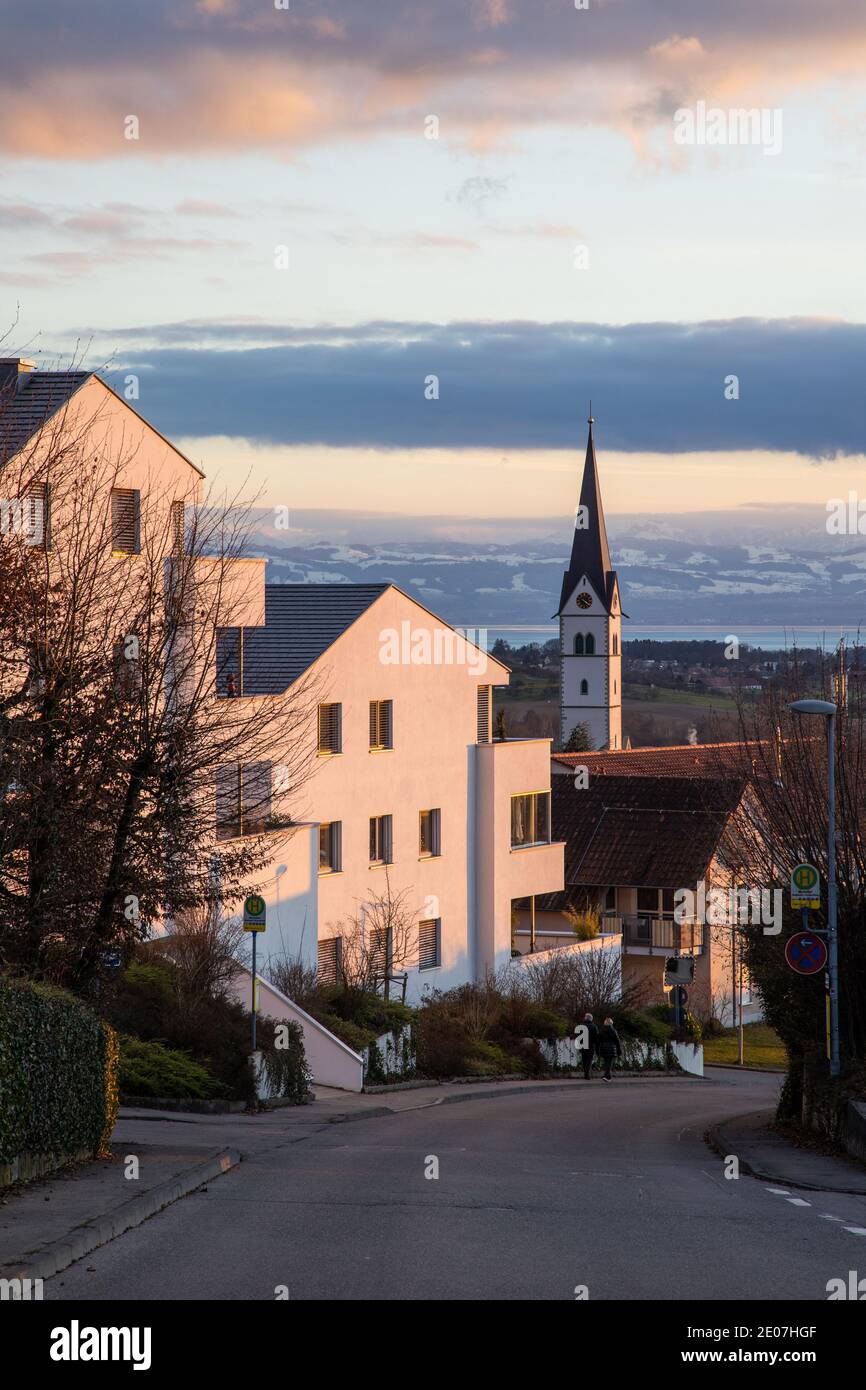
238 74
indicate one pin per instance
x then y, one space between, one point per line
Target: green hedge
152 1069
58 1082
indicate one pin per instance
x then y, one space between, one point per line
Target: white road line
825 1216
779 1191
798 1202
856 1230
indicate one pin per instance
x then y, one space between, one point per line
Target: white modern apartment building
412 797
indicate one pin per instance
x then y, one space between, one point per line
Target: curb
494 1093
746 1071
715 1138
53 1258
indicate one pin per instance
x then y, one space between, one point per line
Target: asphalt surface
611 1187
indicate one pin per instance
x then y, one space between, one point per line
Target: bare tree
115 737
379 941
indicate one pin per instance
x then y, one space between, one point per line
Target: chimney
13 373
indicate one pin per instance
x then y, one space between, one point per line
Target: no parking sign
806 953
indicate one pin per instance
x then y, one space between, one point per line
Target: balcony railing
657 935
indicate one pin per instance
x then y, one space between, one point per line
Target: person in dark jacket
587 1053
608 1046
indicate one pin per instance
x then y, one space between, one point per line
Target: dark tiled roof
679 760
301 622
24 411
628 832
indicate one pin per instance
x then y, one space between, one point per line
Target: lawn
762 1047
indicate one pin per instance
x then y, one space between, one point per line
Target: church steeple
590 623
590 553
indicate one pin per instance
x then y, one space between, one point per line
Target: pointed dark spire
590 554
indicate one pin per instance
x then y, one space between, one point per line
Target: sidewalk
48 1224
767 1155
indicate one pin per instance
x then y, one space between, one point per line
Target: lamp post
828 710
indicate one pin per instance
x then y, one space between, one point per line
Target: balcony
656 936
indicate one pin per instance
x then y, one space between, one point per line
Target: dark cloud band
654 387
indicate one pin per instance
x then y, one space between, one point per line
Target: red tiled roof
678 760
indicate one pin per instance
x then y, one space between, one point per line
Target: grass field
762 1047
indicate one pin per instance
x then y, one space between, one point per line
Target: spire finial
590 420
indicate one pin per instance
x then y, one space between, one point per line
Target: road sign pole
832 940
253 1009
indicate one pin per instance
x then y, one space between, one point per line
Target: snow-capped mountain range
775 566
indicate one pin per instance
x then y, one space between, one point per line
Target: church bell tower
590 624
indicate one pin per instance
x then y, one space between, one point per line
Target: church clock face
584 600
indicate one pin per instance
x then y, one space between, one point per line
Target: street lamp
828 710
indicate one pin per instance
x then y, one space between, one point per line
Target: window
230 661
330 963
381 724
483 714
380 839
610 900
428 838
648 900
380 950
530 819
37 516
243 799
125 520
331 728
429 944
578 644
331 847
615 644
584 687
178 528
590 644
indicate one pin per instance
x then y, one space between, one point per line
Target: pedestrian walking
609 1046
587 1053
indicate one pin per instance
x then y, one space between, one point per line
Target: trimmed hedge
58 1075
152 1069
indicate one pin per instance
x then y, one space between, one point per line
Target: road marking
856 1230
825 1216
798 1202
779 1191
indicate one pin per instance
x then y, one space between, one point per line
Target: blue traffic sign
806 953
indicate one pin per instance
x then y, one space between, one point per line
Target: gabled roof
39 395
301 622
631 832
715 760
24 411
590 553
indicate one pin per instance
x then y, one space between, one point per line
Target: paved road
611 1187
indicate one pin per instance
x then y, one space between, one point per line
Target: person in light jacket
609 1046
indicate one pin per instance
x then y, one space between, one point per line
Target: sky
375 254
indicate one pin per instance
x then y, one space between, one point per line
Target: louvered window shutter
125 510
256 797
178 528
483 714
228 800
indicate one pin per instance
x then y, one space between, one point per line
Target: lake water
769 638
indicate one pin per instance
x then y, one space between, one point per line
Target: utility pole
828 710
